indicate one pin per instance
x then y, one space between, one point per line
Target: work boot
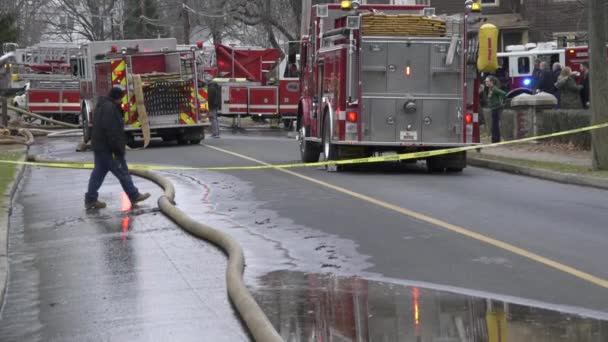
94 205
140 198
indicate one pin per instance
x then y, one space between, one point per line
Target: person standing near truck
496 99
214 105
108 143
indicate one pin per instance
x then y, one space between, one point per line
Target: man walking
214 104
108 142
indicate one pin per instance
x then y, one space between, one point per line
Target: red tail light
468 118
351 116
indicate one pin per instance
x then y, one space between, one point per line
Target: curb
5 213
567 178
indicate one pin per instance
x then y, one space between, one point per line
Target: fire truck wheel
86 131
309 151
454 169
181 140
434 165
329 150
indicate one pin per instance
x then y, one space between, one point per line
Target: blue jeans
106 162
215 128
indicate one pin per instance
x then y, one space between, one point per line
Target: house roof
502 21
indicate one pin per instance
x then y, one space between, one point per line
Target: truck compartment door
263 100
234 99
383 119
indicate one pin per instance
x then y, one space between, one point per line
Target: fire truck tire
309 151
86 131
329 150
181 140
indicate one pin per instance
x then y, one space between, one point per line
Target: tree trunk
598 82
186 19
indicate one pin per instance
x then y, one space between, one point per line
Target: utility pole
598 81
142 7
186 19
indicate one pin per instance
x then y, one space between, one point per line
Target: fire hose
252 314
43 118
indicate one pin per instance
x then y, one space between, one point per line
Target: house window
490 3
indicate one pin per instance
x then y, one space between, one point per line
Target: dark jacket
536 75
215 96
546 83
108 127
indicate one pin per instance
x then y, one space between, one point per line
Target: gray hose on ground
26 113
259 325
66 133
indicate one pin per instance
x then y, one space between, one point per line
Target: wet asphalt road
77 276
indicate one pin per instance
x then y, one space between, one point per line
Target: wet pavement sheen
325 307
108 275
132 275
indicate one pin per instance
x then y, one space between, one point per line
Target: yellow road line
439 223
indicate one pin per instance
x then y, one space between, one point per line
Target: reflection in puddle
315 307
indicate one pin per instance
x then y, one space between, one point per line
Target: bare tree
599 81
90 19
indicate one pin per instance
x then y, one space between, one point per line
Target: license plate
408 135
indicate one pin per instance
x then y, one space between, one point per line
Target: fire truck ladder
50 52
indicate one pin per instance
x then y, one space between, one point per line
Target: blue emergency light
527 82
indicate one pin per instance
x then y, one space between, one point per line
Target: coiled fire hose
254 317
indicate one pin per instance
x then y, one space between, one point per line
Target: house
523 21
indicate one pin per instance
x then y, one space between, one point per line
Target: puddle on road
323 307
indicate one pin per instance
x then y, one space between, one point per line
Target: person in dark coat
546 81
585 83
215 101
108 143
536 73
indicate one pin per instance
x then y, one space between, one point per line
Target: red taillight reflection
125 203
468 118
351 116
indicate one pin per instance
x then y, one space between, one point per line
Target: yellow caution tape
396 157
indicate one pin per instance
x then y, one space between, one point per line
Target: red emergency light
351 116
199 44
114 48
468 118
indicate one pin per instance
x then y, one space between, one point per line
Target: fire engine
259 82
169 82
385 79
517 63
50 88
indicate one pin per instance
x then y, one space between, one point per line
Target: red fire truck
169 84
257 82
50 88
368 91
517 63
